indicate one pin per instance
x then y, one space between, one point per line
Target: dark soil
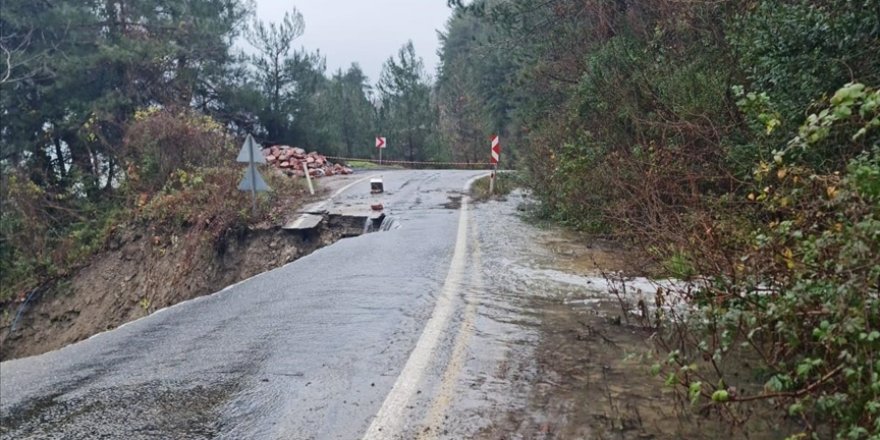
591 383
587 372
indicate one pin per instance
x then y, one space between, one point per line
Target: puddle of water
571 254
453 203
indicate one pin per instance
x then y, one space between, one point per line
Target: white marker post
308 177
496 156
381 144
492 181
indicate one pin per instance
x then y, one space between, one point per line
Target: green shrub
181 178
45 234
798 50
804 297
678 265
159 142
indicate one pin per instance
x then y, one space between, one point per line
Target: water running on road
524 346
537 349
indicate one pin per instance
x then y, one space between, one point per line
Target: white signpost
381 144
308 174
493 159
253 181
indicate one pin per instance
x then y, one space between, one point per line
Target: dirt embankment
139 273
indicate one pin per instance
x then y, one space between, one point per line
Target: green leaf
720 396
775 383
694 391
655 369
848 93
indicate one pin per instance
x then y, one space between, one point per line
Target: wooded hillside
734 143
737 143
110 107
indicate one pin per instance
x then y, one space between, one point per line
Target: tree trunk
111 173
59 153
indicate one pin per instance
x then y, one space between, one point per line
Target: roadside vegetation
504 184
123 113
181 180
737 144
365 165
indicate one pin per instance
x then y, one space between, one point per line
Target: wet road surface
309 350
462 321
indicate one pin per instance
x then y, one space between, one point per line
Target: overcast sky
365 31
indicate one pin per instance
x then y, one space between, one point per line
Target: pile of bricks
293 161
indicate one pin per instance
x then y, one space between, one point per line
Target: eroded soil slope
140 273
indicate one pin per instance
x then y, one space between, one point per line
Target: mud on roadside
587 373
590 382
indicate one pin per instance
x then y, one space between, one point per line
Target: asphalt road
339 344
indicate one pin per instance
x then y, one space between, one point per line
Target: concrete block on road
304 222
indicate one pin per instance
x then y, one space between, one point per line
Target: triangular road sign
253 178
245 156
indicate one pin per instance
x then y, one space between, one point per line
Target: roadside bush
679 128
21 220
181 178
204 199
798 50
43 234
185 178
803 299
160 142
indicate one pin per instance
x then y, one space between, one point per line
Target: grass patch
362 164
365 165
504 184
679 266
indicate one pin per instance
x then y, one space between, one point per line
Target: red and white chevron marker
496 156
380 144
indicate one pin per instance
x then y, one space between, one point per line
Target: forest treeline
77 71
737 143
121 110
